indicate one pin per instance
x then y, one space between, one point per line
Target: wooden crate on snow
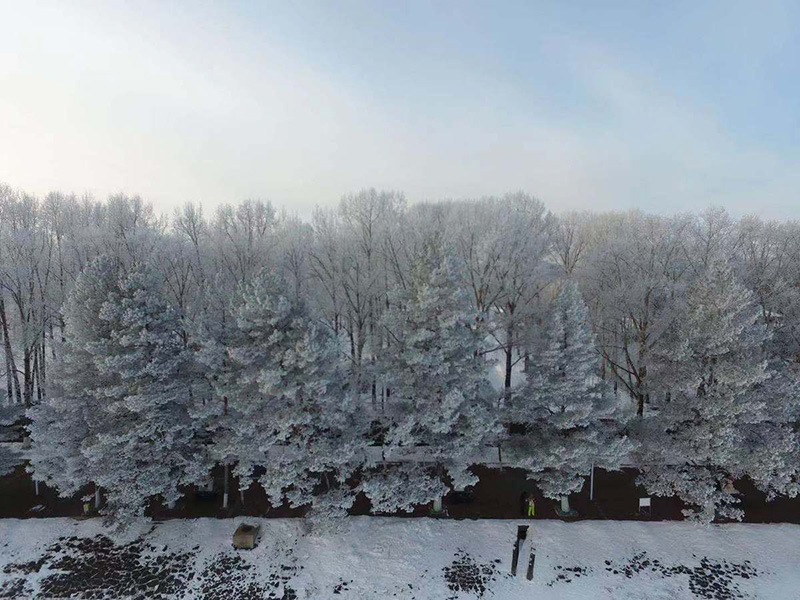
246 536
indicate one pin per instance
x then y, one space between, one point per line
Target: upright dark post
515 558
530 565
522 533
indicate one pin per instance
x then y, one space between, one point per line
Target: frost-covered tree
402 486
711 428
634 271
501 246
289 410
633 275
141 440
773 460
214 329
70 418
571 418
767 262
439 386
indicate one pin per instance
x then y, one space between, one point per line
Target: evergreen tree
215 330
289 410
71 416
143 444
717 424
571 419
439 386
772 460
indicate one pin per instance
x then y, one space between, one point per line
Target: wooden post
522 533
591 484
96 497
530 565
515 558
36 486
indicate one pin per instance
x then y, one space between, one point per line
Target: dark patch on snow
98 568
404 590
708 580
466 575
342 586
229 576
26 568
569 574
15 588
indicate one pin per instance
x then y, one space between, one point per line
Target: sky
663 106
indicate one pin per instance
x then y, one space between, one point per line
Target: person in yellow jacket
531 506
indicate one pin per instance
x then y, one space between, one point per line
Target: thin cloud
178 102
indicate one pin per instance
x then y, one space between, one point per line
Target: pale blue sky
665 106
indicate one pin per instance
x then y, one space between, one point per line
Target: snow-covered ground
400 558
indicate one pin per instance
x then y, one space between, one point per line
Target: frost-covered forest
382 347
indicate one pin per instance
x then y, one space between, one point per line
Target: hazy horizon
668 108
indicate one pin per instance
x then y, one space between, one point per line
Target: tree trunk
509 349
27 377
35 377
641 393
352 340
507 382
11 366
43 369
9 384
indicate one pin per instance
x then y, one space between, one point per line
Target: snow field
420 559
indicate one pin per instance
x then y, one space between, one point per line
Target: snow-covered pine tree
289 410
71 416
571 418
144 444
709 431
773 460
440 392
214 330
